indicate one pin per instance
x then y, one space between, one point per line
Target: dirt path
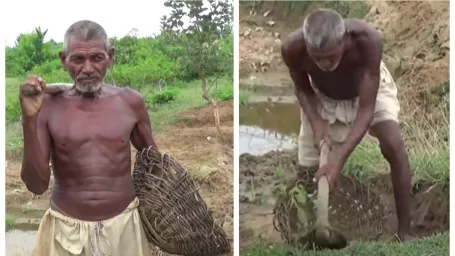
192 141
418 58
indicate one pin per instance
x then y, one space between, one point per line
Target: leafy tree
208 23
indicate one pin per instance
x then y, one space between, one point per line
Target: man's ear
111 53
62 55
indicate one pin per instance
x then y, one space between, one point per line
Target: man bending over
344 90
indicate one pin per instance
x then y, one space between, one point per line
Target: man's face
87 63
329 58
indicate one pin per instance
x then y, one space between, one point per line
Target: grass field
437 245
188 96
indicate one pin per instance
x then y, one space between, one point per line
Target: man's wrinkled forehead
76 47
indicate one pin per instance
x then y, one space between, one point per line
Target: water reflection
20 242
280 117
257 141
267 126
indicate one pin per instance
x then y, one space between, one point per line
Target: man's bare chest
72 127
340 84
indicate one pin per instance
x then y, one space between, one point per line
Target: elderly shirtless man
345 90
88 128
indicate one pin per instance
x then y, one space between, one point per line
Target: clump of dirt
361 211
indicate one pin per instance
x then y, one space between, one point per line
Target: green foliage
165 96
12 108
207 42
157 66
347 9
140 62
225 93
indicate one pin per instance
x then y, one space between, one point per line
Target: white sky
117 18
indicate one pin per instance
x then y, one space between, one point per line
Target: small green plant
225 93
26 209
164 96
9 222
243 99
279 172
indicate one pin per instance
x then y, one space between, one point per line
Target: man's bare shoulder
131 96
293 48
367 38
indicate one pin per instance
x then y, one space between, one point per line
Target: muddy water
20 242
266 126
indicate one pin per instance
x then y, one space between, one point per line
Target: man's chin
88 88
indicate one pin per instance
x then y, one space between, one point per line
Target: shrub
164 96
225 93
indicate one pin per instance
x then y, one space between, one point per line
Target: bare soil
416 51
193 141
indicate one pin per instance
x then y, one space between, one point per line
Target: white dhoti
341 115
60 235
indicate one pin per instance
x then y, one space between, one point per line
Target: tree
208 22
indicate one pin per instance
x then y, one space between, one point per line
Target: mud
361 211
193 141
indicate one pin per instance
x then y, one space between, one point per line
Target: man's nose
88 67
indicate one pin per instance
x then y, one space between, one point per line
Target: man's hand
32 95
321 132
332 171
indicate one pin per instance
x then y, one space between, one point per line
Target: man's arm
368 91
141 137
35 172
302 87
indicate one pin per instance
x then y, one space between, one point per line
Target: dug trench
193 141
362 210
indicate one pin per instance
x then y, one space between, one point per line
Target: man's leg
392 148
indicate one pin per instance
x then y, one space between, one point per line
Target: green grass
188 96
431 166
9 222
244 96
437 245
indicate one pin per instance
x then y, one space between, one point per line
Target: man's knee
391 142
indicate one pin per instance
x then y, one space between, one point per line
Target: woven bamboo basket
174 216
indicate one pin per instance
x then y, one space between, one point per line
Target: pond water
20 242
266 126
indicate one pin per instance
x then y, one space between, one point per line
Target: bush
164 96
225 93
13 109
139 62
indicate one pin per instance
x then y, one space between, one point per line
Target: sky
117 18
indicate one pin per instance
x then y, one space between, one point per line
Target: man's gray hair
323 27
85 30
